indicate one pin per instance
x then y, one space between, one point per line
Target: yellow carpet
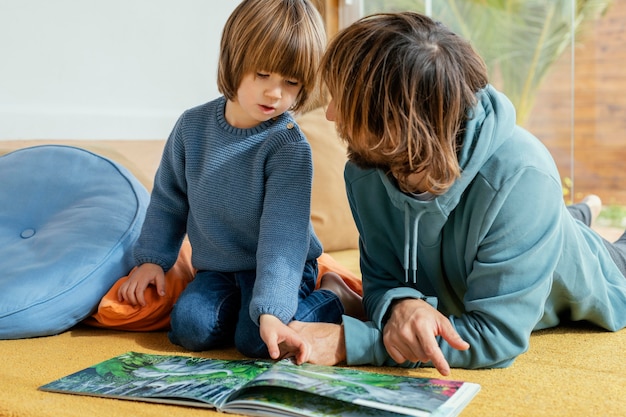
567 372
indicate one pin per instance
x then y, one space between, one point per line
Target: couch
573 370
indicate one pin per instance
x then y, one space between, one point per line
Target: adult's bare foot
352 302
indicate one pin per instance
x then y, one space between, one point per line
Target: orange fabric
155 315
327 263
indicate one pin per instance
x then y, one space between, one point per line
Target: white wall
105 69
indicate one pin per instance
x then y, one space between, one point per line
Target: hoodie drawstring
410 243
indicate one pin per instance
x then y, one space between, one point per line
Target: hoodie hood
492 122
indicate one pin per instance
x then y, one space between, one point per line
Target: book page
179 379
396 394
276 402
265 388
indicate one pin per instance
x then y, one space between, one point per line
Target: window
561 63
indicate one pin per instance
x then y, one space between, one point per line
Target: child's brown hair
402 86
286 37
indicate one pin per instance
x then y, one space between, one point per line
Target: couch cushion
330 211
69 218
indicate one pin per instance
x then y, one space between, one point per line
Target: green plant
520 40
612 216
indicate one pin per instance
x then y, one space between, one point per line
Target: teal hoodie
498 253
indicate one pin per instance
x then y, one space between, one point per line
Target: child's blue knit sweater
243 198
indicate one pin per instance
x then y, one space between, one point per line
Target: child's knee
250 344
197 333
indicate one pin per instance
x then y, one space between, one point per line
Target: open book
266 388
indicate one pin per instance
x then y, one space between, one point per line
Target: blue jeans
212 311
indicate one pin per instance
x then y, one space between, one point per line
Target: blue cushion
68 221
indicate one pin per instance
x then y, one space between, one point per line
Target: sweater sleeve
163 229
364 341
285 234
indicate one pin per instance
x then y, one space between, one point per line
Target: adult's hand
326 342
411 331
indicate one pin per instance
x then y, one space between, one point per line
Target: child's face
261 96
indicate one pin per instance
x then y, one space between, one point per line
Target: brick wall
599 128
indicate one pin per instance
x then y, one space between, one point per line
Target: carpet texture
570 371
574 370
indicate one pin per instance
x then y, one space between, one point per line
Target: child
466 244
235 177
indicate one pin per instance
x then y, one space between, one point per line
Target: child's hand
132 291
275 333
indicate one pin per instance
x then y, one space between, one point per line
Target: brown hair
286 37
403 85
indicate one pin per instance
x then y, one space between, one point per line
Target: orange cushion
327 263
155 315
